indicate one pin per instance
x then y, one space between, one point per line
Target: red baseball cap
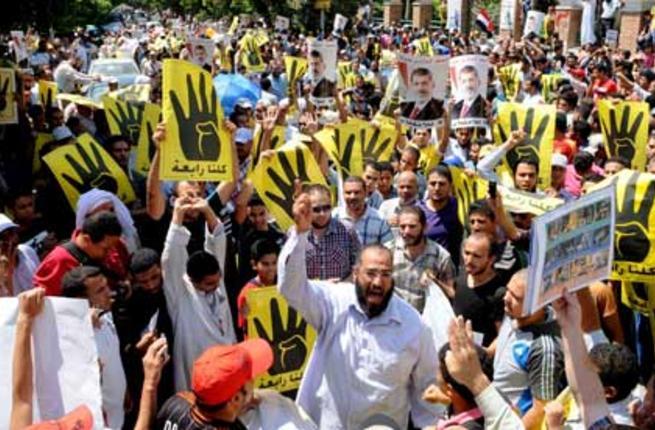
221 371
79 418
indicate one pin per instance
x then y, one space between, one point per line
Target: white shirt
28 261
360 367
66 77
195 325
112 376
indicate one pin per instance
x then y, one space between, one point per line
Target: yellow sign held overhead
625 130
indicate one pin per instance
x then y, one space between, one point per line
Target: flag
483 20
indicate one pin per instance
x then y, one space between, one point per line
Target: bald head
407 187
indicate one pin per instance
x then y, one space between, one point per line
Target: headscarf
90 200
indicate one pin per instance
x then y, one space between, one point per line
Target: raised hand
93 174
198 131
286 185
631 241
288 343
621 138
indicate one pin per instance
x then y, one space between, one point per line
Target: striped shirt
370 227
333 254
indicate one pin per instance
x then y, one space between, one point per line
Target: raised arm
309 298
487 165
155 200
174 257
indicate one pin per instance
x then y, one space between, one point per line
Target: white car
123 70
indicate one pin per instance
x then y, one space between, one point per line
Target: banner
321 75
123 118
277 140
549 85
507 15
47 94
8 105
510 80
343 144
535 204
274 179
625 130
454 15
145 149
281 23
468 77
251 58
271 318
86 165
423 89
534 23
539 126
340 23
197 146
65 370
570 248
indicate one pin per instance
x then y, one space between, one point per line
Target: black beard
318 226
375 311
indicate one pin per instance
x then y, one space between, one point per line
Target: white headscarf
90 200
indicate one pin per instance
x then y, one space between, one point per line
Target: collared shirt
407 273
375 199
360 366
370 227
333 254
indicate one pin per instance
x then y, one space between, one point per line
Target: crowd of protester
184 254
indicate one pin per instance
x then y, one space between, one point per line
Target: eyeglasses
320 209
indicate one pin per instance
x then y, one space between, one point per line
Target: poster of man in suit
423 89
468 77
321 76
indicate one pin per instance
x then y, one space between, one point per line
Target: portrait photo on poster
468 79
201 51
534 22
321 73
422 90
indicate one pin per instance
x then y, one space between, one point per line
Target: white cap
559 160
6 223
61 133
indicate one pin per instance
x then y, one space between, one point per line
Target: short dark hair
421 71
100 225
111 140
483 208
618 159
617 367
355 179
385 166
317 188
415 152
255 200
316 54
368 162
263 247
530 161
73 283
570 97
201 264
374 246
443 171
486 363
143 259
414 210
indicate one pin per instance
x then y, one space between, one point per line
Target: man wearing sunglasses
333 247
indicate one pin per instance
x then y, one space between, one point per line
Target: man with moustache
471 105
373 354
415 257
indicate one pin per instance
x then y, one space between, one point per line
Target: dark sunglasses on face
320 209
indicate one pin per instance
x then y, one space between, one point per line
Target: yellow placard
79 100
274 178
510 80
251 58
277 140
539 125
271 318
424 47
123 118
85 165
234 26
467 189
625 130
345 75
8 105
47 94
343 144
145 149
197 146
379 142
549 85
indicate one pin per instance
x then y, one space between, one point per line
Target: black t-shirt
177 413
483 305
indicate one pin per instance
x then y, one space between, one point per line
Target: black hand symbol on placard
275 141
46 102
373 149
289 345
622 139
3 94
94 173
198 131
344 152
285 185
465 195
508 79
128 120
631 242
151 145
530 147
